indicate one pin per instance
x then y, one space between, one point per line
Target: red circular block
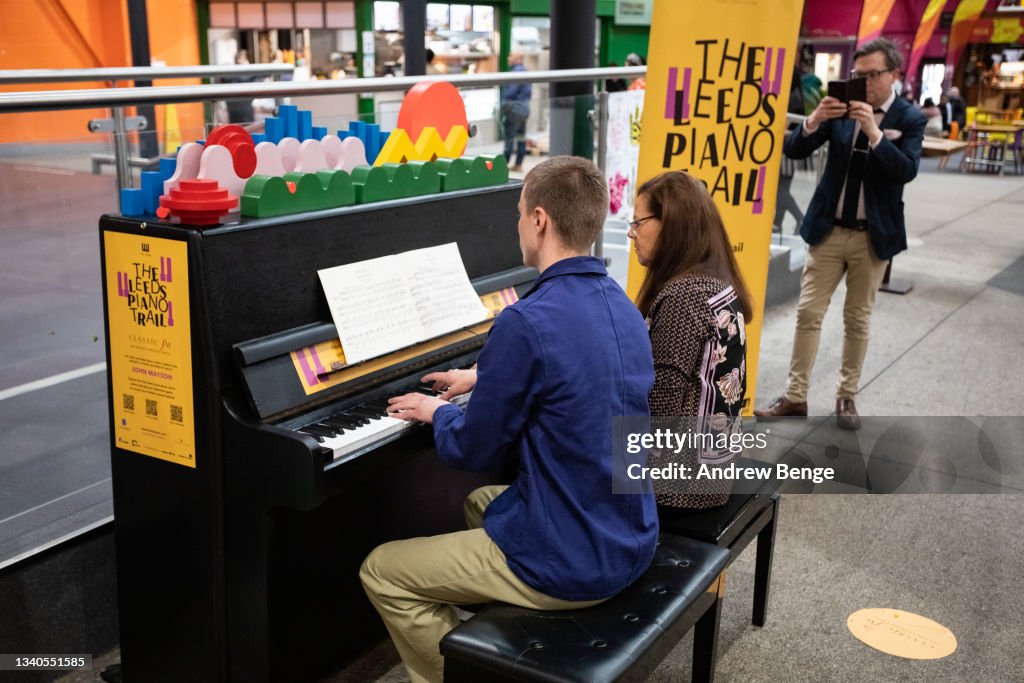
199 202
432 103
240 144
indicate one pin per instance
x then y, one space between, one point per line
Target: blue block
257 138
371 140
342 134
152 188
167 166
131 202
275 129
289 113
319 132
305 125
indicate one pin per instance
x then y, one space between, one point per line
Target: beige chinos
843 251
414 583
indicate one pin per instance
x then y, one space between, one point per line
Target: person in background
557 367
240 111
697 306
515 110
854 223
785 202
953 108
615 84
633 59
431 67
934 116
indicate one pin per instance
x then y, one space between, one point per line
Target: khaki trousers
843 251
414 583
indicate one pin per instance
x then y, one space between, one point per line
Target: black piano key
317 430
339 425
365 412
359 420
331 428
318 438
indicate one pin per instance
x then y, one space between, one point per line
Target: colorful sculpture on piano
296 167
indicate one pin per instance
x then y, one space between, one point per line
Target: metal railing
117 99
140 73
174 94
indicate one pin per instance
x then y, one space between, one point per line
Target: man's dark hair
893 56
430 55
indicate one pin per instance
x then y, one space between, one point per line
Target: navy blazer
891 165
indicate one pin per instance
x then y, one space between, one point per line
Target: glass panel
387 16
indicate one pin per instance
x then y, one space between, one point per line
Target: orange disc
432 103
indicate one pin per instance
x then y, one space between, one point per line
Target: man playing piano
558 365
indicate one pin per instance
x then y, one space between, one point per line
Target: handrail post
602 155
124 170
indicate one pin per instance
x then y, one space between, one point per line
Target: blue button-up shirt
558 365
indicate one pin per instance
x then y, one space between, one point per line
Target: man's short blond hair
574 193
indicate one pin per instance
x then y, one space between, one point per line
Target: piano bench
621 639
733 526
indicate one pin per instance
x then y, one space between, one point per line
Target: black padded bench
622 639
734 525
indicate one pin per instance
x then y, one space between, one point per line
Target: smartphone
855 89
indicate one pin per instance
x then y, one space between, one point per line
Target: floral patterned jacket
698 337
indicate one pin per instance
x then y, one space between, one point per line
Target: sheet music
444 296
388 303
371 307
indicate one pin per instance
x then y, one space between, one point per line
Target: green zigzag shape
395 181
467 173
266 196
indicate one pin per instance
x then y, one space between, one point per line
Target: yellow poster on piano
150 346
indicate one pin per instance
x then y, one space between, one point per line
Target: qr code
176 414
150 407
128 402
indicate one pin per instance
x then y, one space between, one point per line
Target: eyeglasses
635 224
872 75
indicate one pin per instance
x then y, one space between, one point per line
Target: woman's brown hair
692 238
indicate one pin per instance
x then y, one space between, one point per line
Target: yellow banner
150 346
718 81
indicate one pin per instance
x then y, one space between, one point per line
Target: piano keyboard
365 426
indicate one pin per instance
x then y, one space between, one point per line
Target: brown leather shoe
783 407
846 414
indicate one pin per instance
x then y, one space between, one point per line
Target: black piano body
245 567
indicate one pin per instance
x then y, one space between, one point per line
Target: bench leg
705 637
763 565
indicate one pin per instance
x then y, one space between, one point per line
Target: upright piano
242 564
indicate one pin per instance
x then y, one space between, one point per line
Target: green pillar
364 22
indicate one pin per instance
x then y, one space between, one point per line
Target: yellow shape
172 131
1006 30
399 149
396 150
902 634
